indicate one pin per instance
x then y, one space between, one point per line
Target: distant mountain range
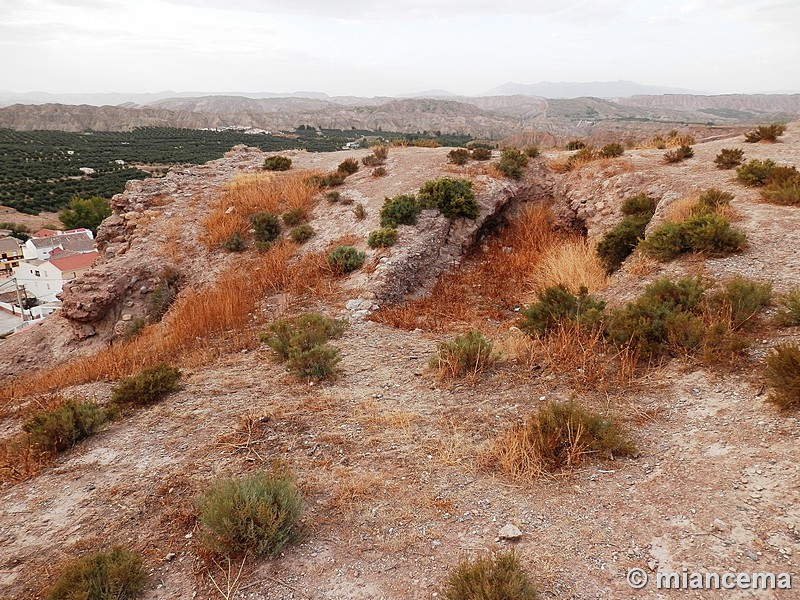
597 89
494 116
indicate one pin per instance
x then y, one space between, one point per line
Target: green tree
88 213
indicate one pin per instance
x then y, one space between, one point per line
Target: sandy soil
386 456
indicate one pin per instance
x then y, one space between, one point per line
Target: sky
392 47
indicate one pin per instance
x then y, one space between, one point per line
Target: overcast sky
390 47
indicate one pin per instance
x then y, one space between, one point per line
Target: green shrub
640 204
349 166
400 210
345 259
481 154
294 217
164 294
266 227
287 337
149 386
531 151
783 376
713 199
235 243
576 145
783 193
765 133
678 154
277 163
359 212
467 354
740 300
316 363
459 156
333 179
512 163
705 233
729 158
453 197
782 175
498 577
58 429
620 242
257 514
117 574
612 151
756 172
333 196
557 304
382 238
789 315
302 233
665 314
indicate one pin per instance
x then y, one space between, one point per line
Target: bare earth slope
386 455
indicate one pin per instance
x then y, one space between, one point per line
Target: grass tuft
782 374
117 574
497 577
147 387
466 355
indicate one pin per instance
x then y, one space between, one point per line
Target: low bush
712 200
294 217
481 154
557 304
379 172
531 151
302 233
740 300
789 314
765 133
302 343
333 179
345 259
611 151
512 163
349 166
621 241
60 428
666 315
756 172
266 227
149 386
377 158
784 193
782 374
557 437
277 163
467 354
728 158
400 210
382 238
498 577
459 156
709 234
117 574
235 243
453 197
678 154
333 196
359 212
576 145
257 514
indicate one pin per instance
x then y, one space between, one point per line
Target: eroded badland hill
398 465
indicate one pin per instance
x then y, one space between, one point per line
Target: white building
45 278
42 247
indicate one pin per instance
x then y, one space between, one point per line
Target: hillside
492 117
397 463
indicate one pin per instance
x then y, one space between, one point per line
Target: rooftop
75 261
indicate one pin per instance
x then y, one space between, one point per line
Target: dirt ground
386 455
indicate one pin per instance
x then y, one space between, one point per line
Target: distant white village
33 273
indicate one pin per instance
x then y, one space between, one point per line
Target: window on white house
36 273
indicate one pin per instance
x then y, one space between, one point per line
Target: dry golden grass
213 319
668 140
572 262
684 208
640 265
251 193
488 285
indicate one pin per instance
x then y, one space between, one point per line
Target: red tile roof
74 261
43 233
